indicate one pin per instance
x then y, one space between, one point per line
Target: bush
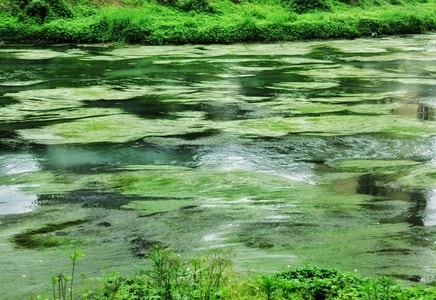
315 282
38 9
13 31
42 10
201 6
302 6
60 9
171 277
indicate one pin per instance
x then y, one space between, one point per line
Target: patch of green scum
117 128
403 56
73 95
349 71
232 190
302 106
21 83
42 54
46 236
44 182
153 168
63 103
356 98
374 109
159 206
420 176
200 184
335 125
368 165
296 86
38 112
352 248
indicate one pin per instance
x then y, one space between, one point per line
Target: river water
282 154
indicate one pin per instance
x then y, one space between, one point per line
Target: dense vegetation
160 22
168 276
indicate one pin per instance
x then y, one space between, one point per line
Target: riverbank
205 22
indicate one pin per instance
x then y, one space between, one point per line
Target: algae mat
278 154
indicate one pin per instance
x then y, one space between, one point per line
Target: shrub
10 30
42 10
171 277
302 6
315 282
60 9
38 9
370 26
201 6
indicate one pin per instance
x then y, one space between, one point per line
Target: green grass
203 21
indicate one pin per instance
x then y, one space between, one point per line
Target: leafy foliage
42 10
195 5
203 21
199 6
302 6
60 286
168 276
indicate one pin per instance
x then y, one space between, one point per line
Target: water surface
282 154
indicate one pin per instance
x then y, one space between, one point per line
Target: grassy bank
159 22
168 276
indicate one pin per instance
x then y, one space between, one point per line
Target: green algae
116 128
63 103
422 177
42 54
159 205
336 125
47 236
193 183
364 166
402 173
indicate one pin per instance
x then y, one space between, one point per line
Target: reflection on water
430 210
426 113
18 163
420 204
255 158
13 201
422 112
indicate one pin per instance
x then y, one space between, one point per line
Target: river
285 154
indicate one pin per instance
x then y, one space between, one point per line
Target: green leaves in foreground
168 276
322 283
171 277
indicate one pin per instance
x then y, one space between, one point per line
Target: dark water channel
281 154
